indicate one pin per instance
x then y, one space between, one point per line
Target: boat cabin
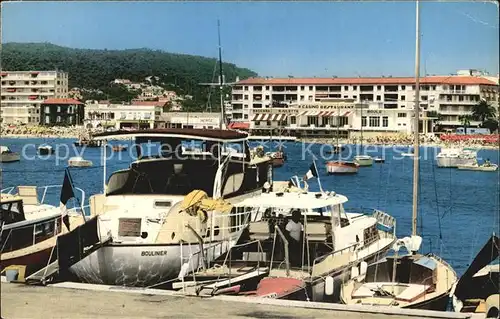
19 231
178 161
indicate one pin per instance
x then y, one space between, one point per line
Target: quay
76 300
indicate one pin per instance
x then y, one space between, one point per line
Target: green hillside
96 68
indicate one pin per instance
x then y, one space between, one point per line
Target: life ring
202 214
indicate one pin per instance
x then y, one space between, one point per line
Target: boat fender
203 215
329 286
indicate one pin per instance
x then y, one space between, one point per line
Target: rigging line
437 209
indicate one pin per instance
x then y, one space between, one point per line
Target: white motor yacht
7 156
453 157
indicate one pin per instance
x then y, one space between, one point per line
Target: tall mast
221 80
416 125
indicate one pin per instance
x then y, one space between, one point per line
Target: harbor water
458 210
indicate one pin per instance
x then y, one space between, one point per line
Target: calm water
460 207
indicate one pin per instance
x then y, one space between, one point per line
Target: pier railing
44 190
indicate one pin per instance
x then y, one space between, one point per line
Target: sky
322 39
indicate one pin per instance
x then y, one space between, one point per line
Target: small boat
87 143
485 167
342 167
363 160
78 161
7 156
453 157
31 227
119 148
278 157
45 150
379 160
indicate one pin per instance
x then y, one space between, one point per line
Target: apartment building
22 93
450 96
122 116
329 117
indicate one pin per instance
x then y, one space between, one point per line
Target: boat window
162 204
44 231
11 212
370 235
17 238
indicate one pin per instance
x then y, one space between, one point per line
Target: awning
325 113
269 117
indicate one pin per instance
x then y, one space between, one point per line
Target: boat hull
33 262
454 161
491 168
140 265
79 163
364 161
341 168
10 157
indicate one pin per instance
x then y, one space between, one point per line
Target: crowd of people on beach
25 131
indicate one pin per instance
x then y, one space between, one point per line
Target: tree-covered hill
96 68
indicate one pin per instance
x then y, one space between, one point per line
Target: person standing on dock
294 229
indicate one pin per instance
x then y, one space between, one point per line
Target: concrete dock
70 300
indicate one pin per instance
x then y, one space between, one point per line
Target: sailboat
339 166
406 279
363 160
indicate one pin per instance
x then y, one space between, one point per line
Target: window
401 114
257 123
246 88
267 87
385 121
245 116
312 120
268 123
58 119
374 121
355 87
346 96
58 109
293 120
47 109
346 88
378 97
403 98
354 96
379 87
310 88
363 121
403 87
302 98
302 88
310 98
267 97
245 106
460 98
424 97
413 87
433 87
246 97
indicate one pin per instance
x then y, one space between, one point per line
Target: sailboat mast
417 122
221 80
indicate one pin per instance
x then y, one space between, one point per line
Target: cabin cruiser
453 157
484 167
332 242
30 227
7 156
150 232
405 280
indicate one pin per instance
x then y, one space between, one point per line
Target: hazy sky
276 38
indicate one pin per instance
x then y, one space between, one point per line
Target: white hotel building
22 93
306 104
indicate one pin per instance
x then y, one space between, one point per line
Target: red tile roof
149 103
62 101
459 80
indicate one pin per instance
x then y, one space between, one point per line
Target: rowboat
476 167
341 167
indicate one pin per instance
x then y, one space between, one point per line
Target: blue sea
458 210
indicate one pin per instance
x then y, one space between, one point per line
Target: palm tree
483 111
465 120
